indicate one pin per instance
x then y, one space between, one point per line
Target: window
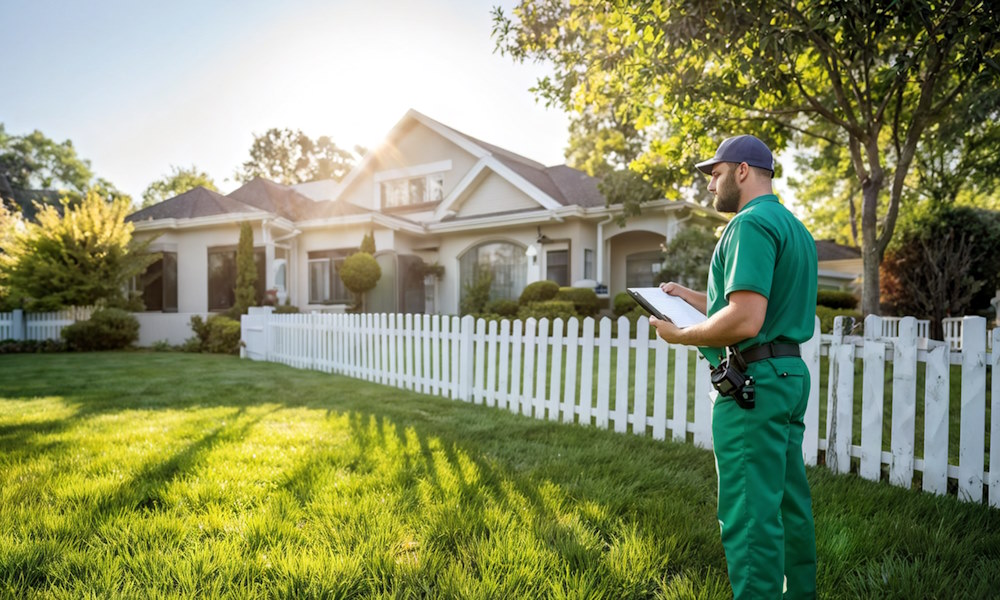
643 269
505 261
222 276
557 266
588 264
159 284
413 190
325 286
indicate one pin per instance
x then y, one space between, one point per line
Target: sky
139 87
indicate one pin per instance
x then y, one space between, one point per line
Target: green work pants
765 510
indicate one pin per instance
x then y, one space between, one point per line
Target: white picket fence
564 371
19 325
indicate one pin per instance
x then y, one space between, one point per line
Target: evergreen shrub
218 334
551 309
584 300
502 307
623 303
836 299
539 291
107 329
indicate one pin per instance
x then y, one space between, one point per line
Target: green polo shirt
765 249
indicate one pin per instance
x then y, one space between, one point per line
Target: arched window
507 263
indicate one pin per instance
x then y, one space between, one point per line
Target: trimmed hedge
836 299
551 309
539 291
107 329
584 300
31 346
502 307
623 303
219 335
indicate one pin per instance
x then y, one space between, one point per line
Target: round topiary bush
539 291
107 329
360 272
623 303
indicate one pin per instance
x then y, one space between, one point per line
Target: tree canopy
83 256
289 157
874 79
178 181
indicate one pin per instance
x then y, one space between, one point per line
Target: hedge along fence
578 372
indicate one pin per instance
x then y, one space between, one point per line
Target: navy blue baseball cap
739 149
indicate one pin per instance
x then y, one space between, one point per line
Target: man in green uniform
761 304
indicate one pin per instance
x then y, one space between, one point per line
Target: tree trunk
869 249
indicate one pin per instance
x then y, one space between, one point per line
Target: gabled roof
562 183
551 186
830 250
333 208
274 198
196 202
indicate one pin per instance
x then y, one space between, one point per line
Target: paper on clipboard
664 306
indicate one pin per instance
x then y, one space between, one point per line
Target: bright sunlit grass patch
178 475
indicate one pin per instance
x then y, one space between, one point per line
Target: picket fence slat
601 413
639 397
936 389
542 345
587 371
994 489
872 385
904 392
569 387
661 351
555 376
620 412
679 425
973 419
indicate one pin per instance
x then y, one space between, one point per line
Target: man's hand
695 299
669 332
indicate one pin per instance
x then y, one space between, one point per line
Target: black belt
769 350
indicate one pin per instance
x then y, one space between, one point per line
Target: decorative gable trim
450 204
413 171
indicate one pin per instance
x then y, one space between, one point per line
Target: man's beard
727 194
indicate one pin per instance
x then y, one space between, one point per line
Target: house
840 267
440 204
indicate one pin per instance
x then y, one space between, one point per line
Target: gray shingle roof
274 198
196 202
564 184
830 250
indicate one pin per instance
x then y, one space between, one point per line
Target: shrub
476 293
584 300
218 334
501 307
360 272
107 329
836 299
539 291
31 346
285 309
827 314
551 309
623 303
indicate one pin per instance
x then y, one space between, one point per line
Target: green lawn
180 475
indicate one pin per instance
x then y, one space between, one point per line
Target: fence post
18 330
872 398
904 393
811 356
994 490
841 412
466 358
936 406
973 416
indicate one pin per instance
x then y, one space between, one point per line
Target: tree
944 263
873 78
291 157
368 243
84 256
178 181
687 257
360 272
246 272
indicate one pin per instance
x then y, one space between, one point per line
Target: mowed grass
178 475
